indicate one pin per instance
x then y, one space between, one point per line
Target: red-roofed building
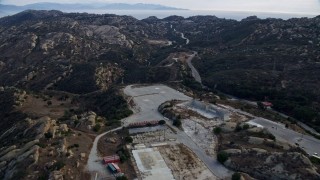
267 104
111 159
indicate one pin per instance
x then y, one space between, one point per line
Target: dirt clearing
184 163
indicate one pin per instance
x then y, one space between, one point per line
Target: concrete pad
151 164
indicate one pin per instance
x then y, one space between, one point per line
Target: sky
283 6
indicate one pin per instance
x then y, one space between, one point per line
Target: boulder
233 151
259 151
64 127
70 153
82 155
56 175
255 140
5 151
10 155
111 140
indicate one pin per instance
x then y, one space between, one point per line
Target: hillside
258 59
61 75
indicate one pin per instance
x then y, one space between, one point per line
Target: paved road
212 164
148 99
94 163
310 144
183 37
194 71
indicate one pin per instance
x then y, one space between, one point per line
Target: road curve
194 71
94 163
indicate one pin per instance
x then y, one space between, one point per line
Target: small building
111 159
267 104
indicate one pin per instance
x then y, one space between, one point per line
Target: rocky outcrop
12 157
272 165
167 110
56 175
108 74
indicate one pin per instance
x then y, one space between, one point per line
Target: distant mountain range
97 6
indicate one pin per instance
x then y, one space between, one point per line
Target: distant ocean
237 15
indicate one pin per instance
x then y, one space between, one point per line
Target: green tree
222 157
49 103
246 126
238 128
48 135
162 122
97 127
177 123
261 106
121 178
236 176
217 130
128 139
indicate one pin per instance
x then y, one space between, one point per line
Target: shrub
261 106
128 139
246 126
48 135
217 130
57 166
177 123
271 136
238 128
162 122
121 178
222 157
315 160
236 176
97 127
49 103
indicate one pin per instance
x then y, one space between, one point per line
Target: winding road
94 163
183 37
194 71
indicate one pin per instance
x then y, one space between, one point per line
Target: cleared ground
151 164
38 106
147 100
184 163
203 137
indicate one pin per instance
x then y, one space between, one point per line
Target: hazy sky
285 6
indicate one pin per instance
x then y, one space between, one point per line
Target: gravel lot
147 100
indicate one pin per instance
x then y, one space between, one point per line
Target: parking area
147 100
